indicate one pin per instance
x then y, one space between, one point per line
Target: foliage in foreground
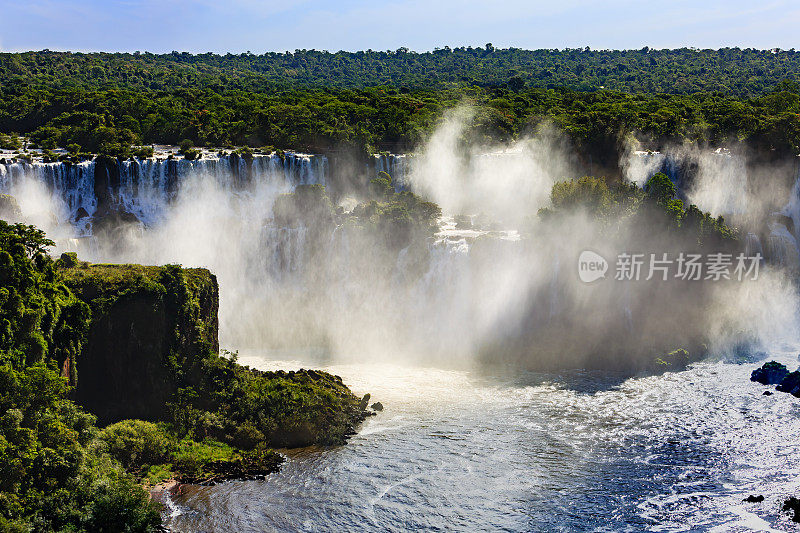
51 476
154 454
58 471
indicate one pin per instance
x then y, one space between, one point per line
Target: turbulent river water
512 451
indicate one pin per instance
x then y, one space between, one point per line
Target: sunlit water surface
465 451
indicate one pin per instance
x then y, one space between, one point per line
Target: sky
259 26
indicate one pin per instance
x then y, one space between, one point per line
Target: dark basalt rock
771 373
80 214
790 384
364 402
377 406
244 469
675 360
463 222
754 499
793 505
767 393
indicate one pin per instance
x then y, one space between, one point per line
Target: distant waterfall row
141 187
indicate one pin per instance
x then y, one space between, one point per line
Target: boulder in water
377 406
767 393
771 373
675 360
790 384
754 499
793 505
463 221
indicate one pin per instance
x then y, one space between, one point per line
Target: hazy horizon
199 26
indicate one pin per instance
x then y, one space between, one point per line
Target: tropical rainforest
374 101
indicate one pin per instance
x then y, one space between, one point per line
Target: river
514 451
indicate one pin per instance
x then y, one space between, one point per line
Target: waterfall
792 208
70 185
644 165
752 245
713 180
144 188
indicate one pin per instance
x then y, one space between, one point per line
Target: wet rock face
771 373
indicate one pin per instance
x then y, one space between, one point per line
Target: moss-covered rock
771 373
790 384
150 326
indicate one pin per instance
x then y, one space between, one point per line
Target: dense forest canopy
375 101
385 118
741 72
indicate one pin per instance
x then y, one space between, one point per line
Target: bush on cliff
651 209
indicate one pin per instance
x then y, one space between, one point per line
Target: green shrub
51 478
143 152
137 443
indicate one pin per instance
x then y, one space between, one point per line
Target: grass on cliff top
124 274
102 284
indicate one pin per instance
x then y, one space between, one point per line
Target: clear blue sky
258 26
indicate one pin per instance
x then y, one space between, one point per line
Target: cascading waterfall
475 281
714 180
69 186
145 187
782 246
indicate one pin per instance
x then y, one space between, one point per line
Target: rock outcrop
146 321
9 209
771 373
152 353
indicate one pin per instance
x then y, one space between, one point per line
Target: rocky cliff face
150 327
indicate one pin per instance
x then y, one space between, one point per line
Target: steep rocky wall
149 324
